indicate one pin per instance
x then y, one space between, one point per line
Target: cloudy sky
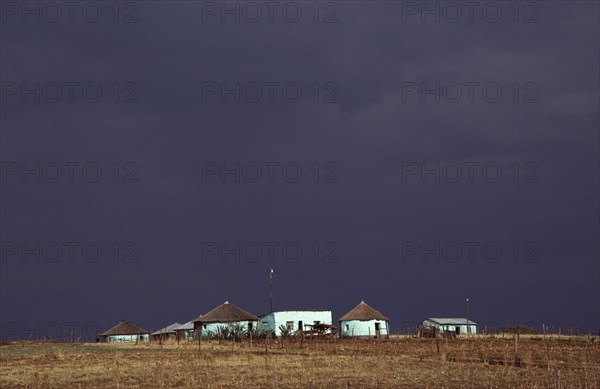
159 157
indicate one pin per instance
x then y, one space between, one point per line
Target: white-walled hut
293 321
364 321
226 315
125 331
166 333
454 326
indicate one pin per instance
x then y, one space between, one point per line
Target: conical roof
124 328
224 313
364 312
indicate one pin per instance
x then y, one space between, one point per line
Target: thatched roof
170 329
363 312
226 313
124 328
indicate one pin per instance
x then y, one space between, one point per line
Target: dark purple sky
369 145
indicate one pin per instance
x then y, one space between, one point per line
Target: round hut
223 320
364 321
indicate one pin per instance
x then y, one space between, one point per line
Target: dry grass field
403 362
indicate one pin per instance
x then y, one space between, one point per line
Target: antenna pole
467 309
271 290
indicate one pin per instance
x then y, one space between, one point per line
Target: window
289 325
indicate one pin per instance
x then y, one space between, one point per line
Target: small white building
185 331
125 332
166 333
225 315
294 321
364 321
458 326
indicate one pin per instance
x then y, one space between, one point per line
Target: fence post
516 348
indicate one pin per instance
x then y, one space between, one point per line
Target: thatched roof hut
124 331
364 321
226 314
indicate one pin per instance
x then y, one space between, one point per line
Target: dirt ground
404 362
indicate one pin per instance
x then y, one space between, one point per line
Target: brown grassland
400 362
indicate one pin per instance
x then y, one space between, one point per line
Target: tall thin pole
271 290
200 337
467 309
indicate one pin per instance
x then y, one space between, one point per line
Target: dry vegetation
488 362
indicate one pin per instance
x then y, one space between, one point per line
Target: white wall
274 319
363 328
210 329
452 327
128 338
463 328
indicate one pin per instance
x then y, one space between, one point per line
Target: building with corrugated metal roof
166 333
185 331
457 326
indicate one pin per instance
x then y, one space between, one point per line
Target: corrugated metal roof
167 330
451 321
186 326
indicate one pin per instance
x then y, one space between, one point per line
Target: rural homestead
362 321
